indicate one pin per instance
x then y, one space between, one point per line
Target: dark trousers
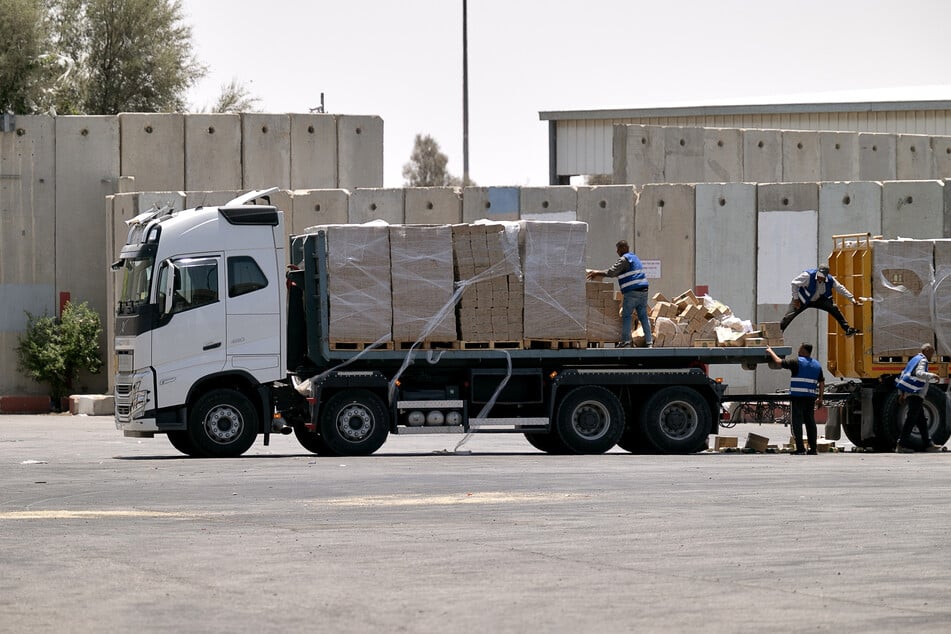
915 417
803 412
822 303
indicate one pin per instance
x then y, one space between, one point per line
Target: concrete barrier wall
314 151
683 155
609 212
359 151
433 205
800 156
664 225
492 203
912 209
722 155
762 156
319 207
941 150
877 157
212 152
265 150
725 252
152 150
914 158
838 156
376 204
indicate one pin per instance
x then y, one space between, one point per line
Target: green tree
235 97
23 41
427 165
55 351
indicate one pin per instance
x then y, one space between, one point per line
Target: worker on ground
912 386
806 387
813 289
633 284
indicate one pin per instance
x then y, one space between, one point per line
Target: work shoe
903 449
650 345
852 331
812 452
797 453
623 344
933 447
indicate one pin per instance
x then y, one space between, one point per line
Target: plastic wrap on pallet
358 282
902 287
553 264
488 276
422 283
942 297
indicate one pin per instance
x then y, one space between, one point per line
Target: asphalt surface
104 533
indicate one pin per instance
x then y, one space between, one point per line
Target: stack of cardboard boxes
604 312
486 266
422 283
553 258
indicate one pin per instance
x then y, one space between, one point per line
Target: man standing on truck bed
806 387
633 284
913 385
813 289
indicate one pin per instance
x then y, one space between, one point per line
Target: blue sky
403 61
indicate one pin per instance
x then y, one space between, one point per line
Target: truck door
190 341
254 314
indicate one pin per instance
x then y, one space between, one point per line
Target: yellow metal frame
851 357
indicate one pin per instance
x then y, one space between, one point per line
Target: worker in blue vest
912 385
806 387
633 283
813 289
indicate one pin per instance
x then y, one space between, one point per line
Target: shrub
55 351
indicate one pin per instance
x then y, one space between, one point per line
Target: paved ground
104 533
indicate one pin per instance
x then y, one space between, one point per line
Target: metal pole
465 94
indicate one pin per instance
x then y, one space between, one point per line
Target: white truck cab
200 324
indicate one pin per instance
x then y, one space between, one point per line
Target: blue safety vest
806 292
805 383
908 382
635 279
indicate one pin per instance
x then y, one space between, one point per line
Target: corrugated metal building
580 141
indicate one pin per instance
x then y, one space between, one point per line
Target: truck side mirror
169 289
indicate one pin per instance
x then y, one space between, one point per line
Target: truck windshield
136 283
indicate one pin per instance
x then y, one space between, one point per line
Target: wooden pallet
489 345
426 345
555 344
358 345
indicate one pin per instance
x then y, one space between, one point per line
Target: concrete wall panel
319 207
838 156
877 157
548 200
313 151
941 149
152 150
664 225
722 155
87 160
265 151
914 158
683 155
800 156
762 156
376 204
912 209
359 151
493 203
638 154
433 205
848 208
212 152
787 244
209 198
609 212
726 249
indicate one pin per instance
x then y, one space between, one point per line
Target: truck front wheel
354 423
223 424
183 442
676 420
589 420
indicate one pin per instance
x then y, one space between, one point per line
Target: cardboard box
725 442
757 443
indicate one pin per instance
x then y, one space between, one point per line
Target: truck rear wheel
888 425
354 423
549 442
589 420
676 420
223 424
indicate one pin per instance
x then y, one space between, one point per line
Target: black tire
853 431
548 442
888 425
183 442
676 420
311 441
589 420
354 423
223 424
633 440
